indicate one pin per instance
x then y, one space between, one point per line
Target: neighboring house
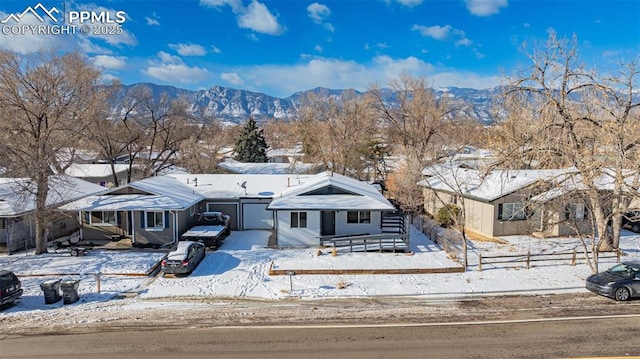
158 210
234 166
100 173
496 203
285 155
17 206
327 204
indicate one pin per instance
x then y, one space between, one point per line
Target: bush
447 215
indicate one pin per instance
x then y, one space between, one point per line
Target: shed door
227 208
256 216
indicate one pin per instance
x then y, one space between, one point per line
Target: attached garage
256 216
227 208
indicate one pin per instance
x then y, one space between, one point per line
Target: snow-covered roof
160 193
265 168
91 170
573 182
17 195
491 186
230 185
354 194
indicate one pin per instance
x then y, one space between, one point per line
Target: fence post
480 262
528 258
573 260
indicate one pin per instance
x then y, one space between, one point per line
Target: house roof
17 194
229 186
573 182
352 195
90 170
488 186
159 193
265 168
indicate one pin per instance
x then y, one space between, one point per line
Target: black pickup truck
210 229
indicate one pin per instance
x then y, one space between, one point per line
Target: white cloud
258 18
110 62
172 69
436 31
236 5
410 3
485 7
24 43
329 27
232 78
318 12
152 21
215 49
189 49
318 48
314 71
442 33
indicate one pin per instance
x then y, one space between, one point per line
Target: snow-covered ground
240 269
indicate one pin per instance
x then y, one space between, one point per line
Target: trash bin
51 289
70 291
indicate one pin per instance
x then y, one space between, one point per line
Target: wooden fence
528 258
367 242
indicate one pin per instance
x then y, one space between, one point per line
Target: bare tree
46 104
338 132
565 114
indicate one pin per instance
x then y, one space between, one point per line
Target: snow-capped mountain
234 105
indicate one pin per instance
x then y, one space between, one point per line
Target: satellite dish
243 184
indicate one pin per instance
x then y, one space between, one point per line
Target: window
155 220
102 217
3 225
511 212
298 219
576 211
358 217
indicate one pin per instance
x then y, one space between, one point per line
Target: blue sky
282 46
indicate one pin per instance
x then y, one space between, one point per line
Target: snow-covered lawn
240 269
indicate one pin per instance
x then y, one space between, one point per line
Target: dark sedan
184 259
620 282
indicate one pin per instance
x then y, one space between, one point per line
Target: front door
328 225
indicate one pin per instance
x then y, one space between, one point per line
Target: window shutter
166 219
500 211
142 222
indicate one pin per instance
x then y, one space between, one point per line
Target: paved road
528 339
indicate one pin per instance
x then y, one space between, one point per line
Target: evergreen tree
251 145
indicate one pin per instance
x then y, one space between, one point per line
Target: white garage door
256 216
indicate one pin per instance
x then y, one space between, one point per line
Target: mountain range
235 105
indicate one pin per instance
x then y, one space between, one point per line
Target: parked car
184 259
10 287
620 282
631 220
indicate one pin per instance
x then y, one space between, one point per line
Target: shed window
298 219
358 216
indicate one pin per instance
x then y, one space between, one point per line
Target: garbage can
51 289
70 291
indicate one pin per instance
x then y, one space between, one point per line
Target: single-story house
100 173
157 210
326 205
234 166
503 202
17 206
